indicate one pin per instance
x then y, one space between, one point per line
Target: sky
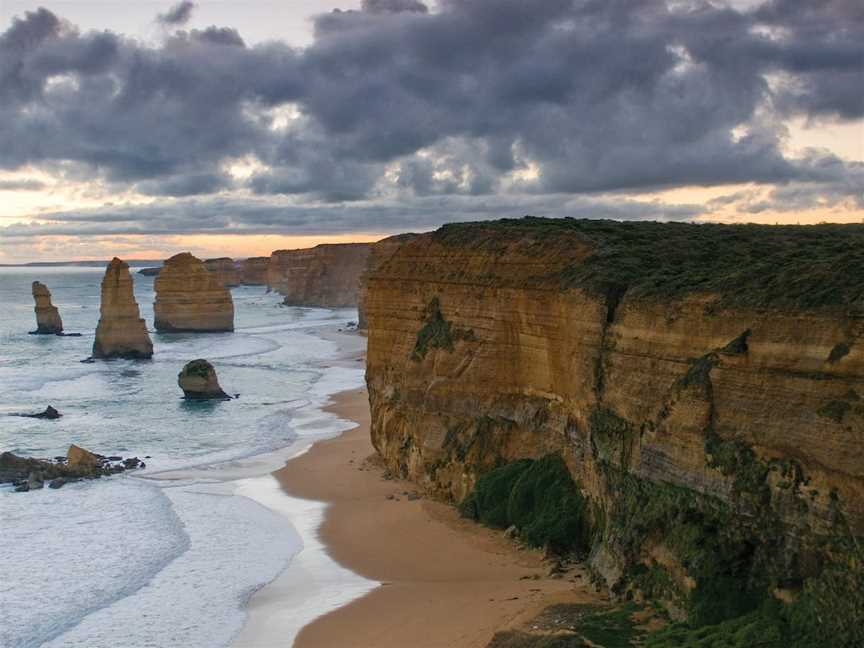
141 129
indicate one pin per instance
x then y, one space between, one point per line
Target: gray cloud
22 185
594 95
179 14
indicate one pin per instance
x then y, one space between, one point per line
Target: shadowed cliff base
702 384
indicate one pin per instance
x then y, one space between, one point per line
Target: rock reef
199 382
327 275
48 321
121 332
253 271
191 298
225 270
702 386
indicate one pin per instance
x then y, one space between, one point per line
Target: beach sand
445 581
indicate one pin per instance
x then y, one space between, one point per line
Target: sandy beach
444 581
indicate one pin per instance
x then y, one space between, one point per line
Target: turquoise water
87 551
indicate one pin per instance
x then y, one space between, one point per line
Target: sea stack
199 382
121 332
48 320
225 270
190 298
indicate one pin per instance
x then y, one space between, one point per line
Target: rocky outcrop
26 473
327 275
253 271
225 270
48 321
379 253
48 413
121 333
703 384
191 298
199 382
149 272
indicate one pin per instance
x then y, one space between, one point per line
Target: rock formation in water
702 385
121 333
225 270
199 382
190 298
149 272
48 320
26 473
253 271
327 275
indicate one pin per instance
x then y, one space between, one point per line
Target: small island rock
198 382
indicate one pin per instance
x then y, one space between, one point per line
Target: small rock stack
121 332
48 320
199 382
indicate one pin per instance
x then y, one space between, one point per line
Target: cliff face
190 298
379 253
327 275
48 320
121 333
725 412
253 271
225 270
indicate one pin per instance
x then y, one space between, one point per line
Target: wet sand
445 581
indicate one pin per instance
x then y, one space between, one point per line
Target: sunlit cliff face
201 127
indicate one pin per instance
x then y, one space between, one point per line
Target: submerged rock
191 298
149 272
121 332
199 382
48 321
49 413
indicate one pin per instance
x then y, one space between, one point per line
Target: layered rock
225 270
706 397
327 275
48 321
379 253
121 332
253 271
199 382
191 298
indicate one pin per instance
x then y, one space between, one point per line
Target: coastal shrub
787 266
200 368
538 497
437 332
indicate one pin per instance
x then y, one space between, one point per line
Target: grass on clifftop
786 266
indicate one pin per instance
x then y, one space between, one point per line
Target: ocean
169 555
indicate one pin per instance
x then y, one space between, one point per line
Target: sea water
165 556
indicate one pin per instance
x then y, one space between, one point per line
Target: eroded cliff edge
327 275
702 383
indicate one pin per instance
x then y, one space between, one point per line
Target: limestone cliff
327 275
703 385
253 271
190 298
379 253
121 333
225 270
48 321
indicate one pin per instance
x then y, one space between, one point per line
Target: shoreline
441 580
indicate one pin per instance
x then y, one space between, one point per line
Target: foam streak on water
170 555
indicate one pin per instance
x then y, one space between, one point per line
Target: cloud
22 185
179 14
476 99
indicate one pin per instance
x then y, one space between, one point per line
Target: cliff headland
678 404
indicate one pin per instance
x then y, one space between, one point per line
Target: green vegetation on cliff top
781 266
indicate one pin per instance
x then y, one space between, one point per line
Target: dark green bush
539 498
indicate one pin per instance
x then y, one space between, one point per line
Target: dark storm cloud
179 14
567 96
